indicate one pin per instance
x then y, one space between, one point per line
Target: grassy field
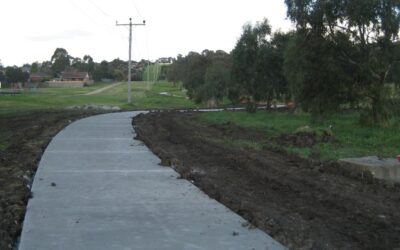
145 95
352 139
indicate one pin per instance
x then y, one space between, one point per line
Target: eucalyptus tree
364 35
60 61
257 70
245 82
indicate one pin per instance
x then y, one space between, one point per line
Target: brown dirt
303 139
303 205
23 138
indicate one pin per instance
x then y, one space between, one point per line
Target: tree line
341 54
61 60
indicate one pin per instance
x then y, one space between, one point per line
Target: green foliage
84 65
205 76
102 71
317 82
176 70
60 61
88 64
257 73
244 61
16 75
2 76
217 78
34 67
362 36
352 139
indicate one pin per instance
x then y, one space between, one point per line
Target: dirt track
301 204
26 137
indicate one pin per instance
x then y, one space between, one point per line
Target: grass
145 95
353 140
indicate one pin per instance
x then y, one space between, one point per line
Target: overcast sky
32 30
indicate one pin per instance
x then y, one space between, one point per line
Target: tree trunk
378 111
269 101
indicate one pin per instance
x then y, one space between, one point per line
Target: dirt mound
24 137
302 205
304 139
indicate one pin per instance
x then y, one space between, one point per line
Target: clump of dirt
304 139
301 204
24 138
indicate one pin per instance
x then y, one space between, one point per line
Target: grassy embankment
145 95
352 139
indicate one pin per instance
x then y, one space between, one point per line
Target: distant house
165 60
38 77
71 78
74 75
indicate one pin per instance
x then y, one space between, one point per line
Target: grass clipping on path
349 138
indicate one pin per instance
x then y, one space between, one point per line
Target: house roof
38 74
74 75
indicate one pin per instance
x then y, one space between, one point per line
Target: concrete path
98 91
97 188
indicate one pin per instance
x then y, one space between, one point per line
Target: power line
108 26
137 9
99 9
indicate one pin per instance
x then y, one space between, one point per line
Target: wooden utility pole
130 24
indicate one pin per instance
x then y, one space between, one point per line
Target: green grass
353 140
145 95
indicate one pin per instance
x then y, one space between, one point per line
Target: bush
251 107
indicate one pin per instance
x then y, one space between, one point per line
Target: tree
2 75
46 67
35 67
365 37
102 71
317 82
244 55
16 75
77 64
216 80
258 65
205 76
60 61
194 73
89 64
270 78
175 71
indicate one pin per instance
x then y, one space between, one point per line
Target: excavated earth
303 204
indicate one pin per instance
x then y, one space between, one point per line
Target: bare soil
302 204
24 138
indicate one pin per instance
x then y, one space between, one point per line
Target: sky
32 30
